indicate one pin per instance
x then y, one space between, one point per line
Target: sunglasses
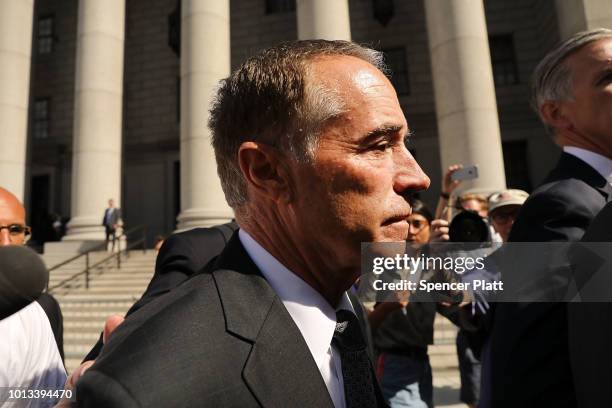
504 217
16 229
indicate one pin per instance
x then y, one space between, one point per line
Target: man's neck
572 139
295 257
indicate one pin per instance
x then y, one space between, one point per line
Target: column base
85 228
199 217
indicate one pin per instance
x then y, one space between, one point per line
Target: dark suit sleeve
107 392
561 213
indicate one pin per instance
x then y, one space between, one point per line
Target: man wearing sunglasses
13 230
503 210
31 346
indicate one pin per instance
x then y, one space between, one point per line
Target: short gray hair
271 98
552 79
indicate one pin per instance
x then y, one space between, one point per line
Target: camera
468 226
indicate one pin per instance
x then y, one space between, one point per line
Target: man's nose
5 237
409 176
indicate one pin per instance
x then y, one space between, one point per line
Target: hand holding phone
465 173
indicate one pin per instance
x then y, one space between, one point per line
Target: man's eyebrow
383 131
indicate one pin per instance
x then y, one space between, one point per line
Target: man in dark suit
110 222
589 325
309 139
529 351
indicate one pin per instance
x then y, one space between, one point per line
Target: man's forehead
11 211
345 69
592 55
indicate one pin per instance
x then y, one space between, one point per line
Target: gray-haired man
573 95
309 141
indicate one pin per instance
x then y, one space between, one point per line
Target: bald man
29 353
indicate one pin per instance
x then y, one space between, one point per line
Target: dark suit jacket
529 343
180 257
589 323
114 218
223 338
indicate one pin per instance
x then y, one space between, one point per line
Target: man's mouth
396 218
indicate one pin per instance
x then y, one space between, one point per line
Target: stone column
579 15
96 161
15 57
205 60
468 126
326 19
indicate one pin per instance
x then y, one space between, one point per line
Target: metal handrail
88 267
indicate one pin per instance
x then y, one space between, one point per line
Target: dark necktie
357 373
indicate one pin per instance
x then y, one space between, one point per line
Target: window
396 61
515 165
503 60
41 119
45 35
279 6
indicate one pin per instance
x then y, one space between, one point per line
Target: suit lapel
280 370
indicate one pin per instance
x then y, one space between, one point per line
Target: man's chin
398 231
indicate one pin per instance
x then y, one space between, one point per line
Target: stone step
109 269
88 325
95 291
99 315
95 275
131 283
77 350
443 361
82 337
86 297
94 304
442 349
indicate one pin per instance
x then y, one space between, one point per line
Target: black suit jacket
179 258
589 323
114 218
223 338
529 343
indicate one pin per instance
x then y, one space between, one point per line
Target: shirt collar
312 314
601 164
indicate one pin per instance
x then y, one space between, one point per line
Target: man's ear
555 115
265 170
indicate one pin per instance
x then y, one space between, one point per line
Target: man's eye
16 229
382 147
607 78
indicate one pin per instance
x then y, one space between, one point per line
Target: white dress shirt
601 164
28 354
312 314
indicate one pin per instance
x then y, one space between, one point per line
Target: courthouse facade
108 99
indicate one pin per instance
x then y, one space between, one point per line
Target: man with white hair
572 92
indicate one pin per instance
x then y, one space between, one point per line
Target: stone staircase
443 353
111 291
